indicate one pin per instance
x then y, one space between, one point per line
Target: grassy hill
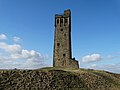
58 79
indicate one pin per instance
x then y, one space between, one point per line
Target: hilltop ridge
58 79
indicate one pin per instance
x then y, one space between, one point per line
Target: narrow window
61 20
64 34
64 55
66 20
58 44
57 21
61 29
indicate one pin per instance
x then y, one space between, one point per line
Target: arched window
61 20
66 20
57 21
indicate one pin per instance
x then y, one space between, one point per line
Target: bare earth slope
58 79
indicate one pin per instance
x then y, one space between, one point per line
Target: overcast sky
27 33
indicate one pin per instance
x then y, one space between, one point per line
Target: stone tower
62 42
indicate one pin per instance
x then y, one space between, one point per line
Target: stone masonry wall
74 63
62 42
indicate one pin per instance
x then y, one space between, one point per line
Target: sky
27 33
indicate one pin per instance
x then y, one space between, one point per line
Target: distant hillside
58 79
